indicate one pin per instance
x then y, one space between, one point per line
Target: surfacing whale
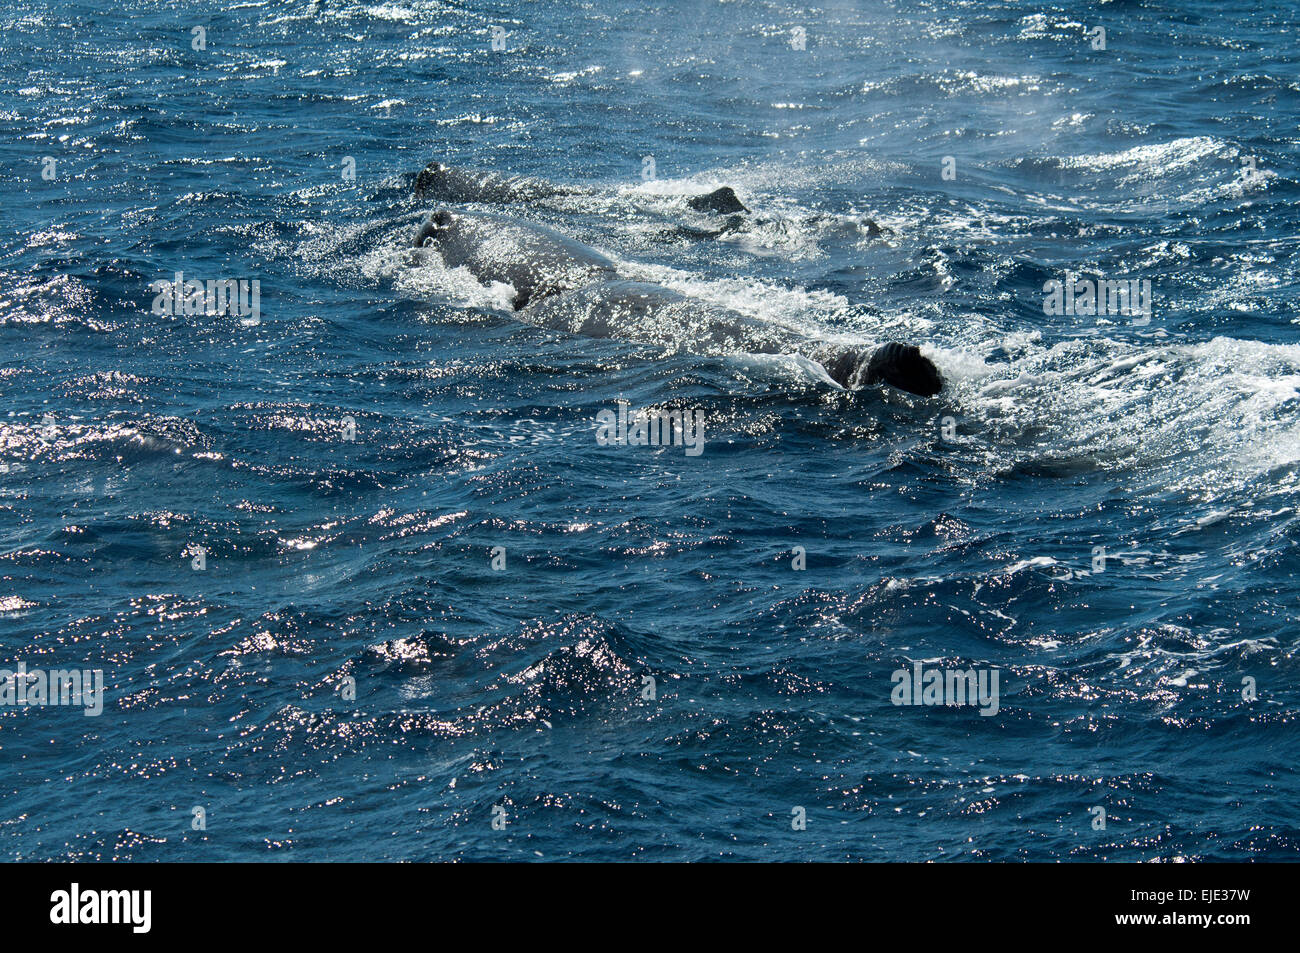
564 285
722 211
438 182
536 261
442 183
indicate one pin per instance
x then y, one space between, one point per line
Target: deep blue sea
1100 508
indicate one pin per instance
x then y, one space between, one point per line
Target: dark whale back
439 183
652 314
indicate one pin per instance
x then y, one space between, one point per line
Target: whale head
435 228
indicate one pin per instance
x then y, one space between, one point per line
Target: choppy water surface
956 532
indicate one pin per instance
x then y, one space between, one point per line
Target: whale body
443 183
564 285
535 260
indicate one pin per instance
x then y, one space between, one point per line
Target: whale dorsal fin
721 201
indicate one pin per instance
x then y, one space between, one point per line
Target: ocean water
1099 508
